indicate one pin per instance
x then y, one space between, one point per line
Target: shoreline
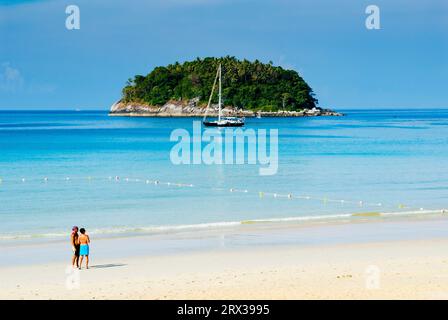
191 109
198 115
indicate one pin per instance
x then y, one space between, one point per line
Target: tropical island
249 89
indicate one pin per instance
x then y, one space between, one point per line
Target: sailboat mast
219 103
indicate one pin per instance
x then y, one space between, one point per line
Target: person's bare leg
80 262
75 261
87 262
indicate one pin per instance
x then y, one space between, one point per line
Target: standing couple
80 247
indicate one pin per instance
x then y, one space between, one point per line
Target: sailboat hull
226 124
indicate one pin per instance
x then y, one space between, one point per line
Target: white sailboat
222 121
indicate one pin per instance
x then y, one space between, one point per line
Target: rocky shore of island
192 108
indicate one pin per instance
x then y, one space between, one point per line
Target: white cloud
12 81
10 78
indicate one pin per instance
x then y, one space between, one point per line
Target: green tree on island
246 85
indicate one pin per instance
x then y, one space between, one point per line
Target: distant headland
251 89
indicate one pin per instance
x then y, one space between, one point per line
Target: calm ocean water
396 158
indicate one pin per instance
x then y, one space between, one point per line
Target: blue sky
45 66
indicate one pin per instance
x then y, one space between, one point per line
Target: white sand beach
389 269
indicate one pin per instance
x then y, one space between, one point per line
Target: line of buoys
261 194
325 200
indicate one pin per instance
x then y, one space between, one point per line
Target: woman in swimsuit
84 242
75 246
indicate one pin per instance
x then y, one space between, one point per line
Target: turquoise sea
59 169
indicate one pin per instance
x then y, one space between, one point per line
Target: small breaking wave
220 225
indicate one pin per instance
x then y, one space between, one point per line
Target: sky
43 65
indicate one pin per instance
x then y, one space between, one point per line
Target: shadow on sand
110 265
